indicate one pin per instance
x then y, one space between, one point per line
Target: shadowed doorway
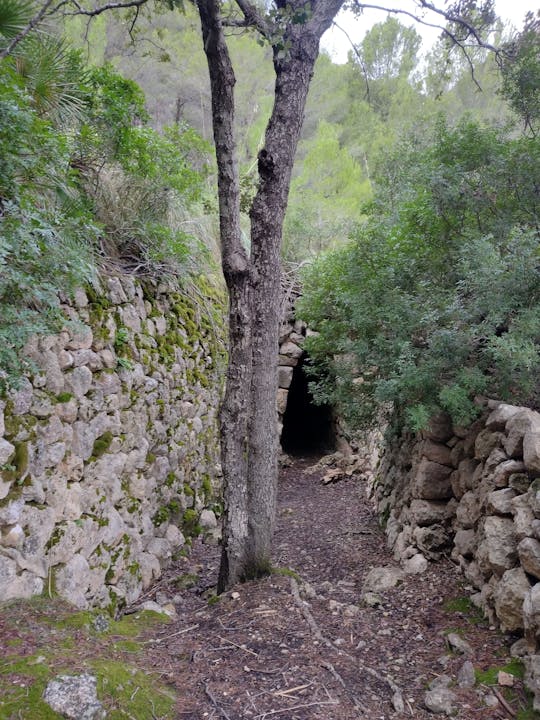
308 429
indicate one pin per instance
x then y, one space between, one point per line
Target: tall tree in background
249 429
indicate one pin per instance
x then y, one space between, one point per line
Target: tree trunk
234 409
249 421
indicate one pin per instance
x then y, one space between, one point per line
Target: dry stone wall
291 339
109 453
475 495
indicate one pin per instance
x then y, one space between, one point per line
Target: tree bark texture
249 422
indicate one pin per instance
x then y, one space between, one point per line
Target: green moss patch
489 676
101 445
129 692
47 638
464 606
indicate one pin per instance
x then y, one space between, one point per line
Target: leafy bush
437 298
80 173
45 231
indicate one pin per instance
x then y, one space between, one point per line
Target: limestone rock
71 581
498 550
285 375
523 516
432 540
466 677
462 479
22 398
291 350
207 520
509 596
505 470
529 556
415 565
79 381
12 536
440 701
458 644
516 427
436 452
380 579
439 428
465 542
425 512
432 481
532 678
81 337
281 401
531 449
531 613
486 441
6 451
499 502
500 415
74 697
468 511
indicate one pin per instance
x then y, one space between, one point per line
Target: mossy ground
42 638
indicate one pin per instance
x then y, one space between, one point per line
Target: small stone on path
440 701
466 676
458 644
382 578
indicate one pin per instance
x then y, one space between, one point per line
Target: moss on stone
101 445
190 523
207 488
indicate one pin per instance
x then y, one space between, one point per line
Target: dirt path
307 648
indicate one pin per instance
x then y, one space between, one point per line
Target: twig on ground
332 670
286 693
179 632
230 642
215 703
355 701
503 702
271 713
267 672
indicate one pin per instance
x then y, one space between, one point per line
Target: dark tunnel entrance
308 429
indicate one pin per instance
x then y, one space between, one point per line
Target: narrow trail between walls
306 643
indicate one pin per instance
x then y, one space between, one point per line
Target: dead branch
218 707
168 637
125 4
503 702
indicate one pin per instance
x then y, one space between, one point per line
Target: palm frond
54 75
14 17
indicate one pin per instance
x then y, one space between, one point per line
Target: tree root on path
397 695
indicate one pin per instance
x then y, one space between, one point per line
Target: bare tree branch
447 15
31 25
103 8
358 56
